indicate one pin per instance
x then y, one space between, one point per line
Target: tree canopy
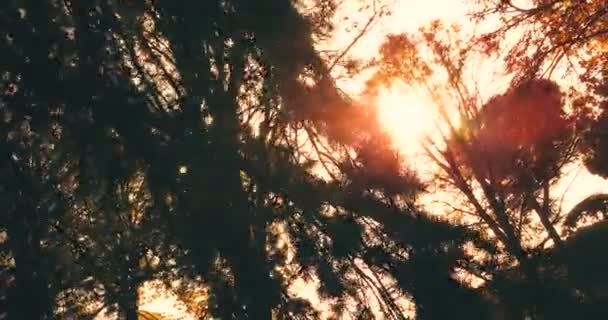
204 150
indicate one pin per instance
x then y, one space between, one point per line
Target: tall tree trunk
129 308
246 247
128 296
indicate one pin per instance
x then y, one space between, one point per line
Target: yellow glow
183 169
407 117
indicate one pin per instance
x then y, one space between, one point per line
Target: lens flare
407 116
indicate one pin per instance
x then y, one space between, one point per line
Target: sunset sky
409 114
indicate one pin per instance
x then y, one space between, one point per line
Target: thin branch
361 33
456 209
396 312
543 214
530 11
561 200
319 153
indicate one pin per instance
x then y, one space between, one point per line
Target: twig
561 200
363 31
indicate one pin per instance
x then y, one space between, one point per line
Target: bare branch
361 33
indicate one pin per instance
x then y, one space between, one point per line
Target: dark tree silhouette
178 142
203 147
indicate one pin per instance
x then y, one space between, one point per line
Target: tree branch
361 33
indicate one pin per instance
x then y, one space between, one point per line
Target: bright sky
408 114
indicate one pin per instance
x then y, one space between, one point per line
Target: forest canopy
206 155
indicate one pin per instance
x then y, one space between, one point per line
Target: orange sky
405 113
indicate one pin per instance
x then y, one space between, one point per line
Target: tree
555 31
502 157
571 36
566 35
180 142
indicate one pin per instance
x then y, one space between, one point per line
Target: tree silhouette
502 156
177 142
203 148
559 35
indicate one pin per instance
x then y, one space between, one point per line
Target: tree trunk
128 304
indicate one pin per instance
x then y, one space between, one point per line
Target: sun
407 116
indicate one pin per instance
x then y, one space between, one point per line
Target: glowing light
182 169
408 117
